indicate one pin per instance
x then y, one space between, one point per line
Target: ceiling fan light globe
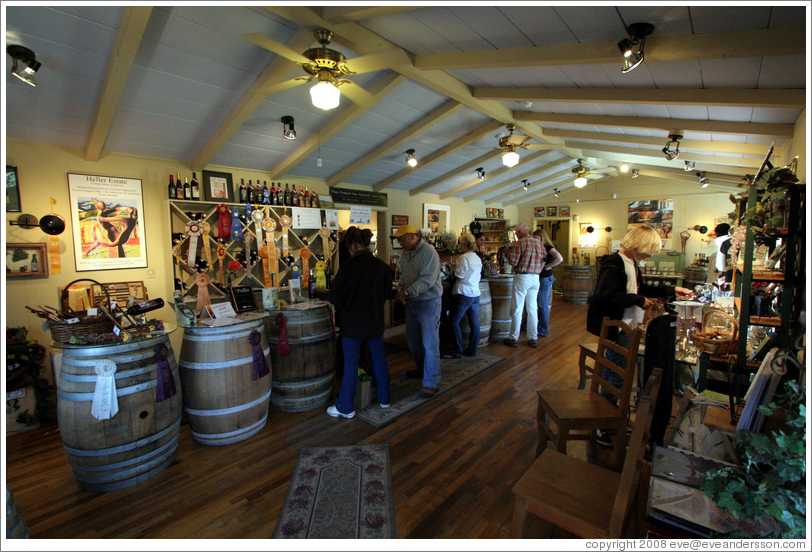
325 95
580 182
411 161
624 167
510 159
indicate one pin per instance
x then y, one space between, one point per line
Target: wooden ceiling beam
721 147
694 125
727 97
454 146
493 174
726 174
273 74
779 41
549 166
134 21
343 14
725 160
454 172
532 195
352 112
439 114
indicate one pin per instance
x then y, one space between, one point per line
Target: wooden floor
454 460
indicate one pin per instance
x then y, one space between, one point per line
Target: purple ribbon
260 363
166 381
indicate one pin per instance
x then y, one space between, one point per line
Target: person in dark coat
359 292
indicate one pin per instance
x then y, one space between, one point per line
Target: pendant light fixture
325 94
510 158
525 184
287 128
410 158
480 173
580 171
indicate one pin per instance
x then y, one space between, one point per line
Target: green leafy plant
24 359
769 487
772 191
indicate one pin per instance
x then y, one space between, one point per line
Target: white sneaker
384 405
333 411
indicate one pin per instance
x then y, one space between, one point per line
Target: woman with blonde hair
620 294
466 297
546 280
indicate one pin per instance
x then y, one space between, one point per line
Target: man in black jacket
359 292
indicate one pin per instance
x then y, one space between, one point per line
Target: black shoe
604 439
427 392
414 374
533 343
510 342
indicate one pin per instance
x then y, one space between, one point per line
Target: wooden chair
588 350
587 500
578 414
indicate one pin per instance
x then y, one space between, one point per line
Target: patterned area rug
404 389
340 493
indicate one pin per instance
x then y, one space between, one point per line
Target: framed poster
13 204
584 227
552 211
26 260
399 220
108 224
539 212
564 211
218 186
657 213
436 217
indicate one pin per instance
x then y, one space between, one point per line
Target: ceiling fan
510 143
328 66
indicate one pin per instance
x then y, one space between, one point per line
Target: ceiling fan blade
371 62
282 86
518 139
264 41
539 146
357 94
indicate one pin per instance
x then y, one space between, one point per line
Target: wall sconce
591 229
287 128
53 225
480 173
671 149
26 56
410 158
526 184
699 228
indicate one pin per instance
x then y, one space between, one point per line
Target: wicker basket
62 331
716 341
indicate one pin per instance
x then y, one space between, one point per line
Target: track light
26 56
581 172
624 167
525 185
689 166
635 173
632 47
671 149
511 158
555 192
703 181
480 173
410 158
287 128
325 94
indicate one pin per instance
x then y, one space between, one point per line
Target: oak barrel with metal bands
578 284
141 439
223 403
501 288
303 380
15 526
485 316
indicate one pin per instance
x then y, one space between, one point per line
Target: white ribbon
105 401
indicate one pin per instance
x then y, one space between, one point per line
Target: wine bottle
172 192
302 197
243 191
145 306
277 194
311 201
294 199
266 193
195 188
252 192
187 189
328 275
287 194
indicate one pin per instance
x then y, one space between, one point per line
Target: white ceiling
193 90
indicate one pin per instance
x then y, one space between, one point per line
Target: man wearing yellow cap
421 289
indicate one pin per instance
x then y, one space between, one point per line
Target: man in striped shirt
527 258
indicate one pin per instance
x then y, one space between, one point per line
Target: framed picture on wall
218 186
564 211
539 212
552 211
26 260
13 204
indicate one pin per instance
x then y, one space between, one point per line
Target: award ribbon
325 244
236 227
105 401
284 221
206 246
283 348
305 254
221 255
223 221
53 248
269 225
165 388
203 299
193 230
260 362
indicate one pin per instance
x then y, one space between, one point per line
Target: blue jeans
422 334
545 285
624 340
462 306
352 352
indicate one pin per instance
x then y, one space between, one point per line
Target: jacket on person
421 273
359 292
610 298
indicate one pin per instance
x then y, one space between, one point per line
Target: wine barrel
222 400
136 443
578 284
485 316
15 526
501 288
695 276
303 380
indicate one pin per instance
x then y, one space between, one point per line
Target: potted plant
448 238
24 367
769 487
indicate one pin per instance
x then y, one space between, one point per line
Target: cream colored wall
43 169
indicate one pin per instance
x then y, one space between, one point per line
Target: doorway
559 232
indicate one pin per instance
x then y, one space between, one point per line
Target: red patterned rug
340 493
